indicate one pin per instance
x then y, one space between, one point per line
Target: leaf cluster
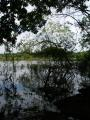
12 10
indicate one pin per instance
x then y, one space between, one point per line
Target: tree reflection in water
35 89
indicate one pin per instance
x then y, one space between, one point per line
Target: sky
55 17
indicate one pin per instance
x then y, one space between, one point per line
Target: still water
19 83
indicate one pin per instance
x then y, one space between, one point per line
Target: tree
85 40
56 35
53 36
12 10
26 46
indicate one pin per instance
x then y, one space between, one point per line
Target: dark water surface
19 83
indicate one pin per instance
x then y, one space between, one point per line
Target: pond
20 82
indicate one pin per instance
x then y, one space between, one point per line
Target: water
19 83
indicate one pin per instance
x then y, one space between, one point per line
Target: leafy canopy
15 10
52 35
56 35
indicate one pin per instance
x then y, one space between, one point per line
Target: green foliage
53 52
85 41
56 35
26 46
49 42
15 57
78 56
84 65
12 10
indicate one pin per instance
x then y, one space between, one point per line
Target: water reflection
35 85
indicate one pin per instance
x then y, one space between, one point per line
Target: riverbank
19 57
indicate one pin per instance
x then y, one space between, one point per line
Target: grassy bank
20 56
29 57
